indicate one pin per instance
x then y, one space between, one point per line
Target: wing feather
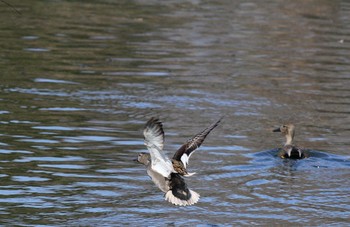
154 141
184 153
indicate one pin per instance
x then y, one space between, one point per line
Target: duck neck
289 139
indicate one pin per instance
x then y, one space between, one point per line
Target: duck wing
293 152
154 141
183 154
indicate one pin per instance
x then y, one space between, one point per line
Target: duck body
174 186
289 150
168 174
293 152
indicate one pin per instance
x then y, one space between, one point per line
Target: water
79 79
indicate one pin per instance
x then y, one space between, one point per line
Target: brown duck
165 173
289 150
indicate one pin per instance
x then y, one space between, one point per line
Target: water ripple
46 80
51 159
26 178
3 151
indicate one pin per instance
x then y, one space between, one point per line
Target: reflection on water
80 79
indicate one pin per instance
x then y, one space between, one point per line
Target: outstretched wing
154 141
185 151
153 133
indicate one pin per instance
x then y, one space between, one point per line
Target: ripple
43 189
26 178
113 171
236 136
64 166
79 139
54 127
45 80
3 151
104 193
181 66
30 37
23 200
51 159
128 142
39 141
45 92
259 182
11 192
228 148
76 175
40 147
313 139
103 37
96 210
63 109
93 184
141 105
21 122
36 49
136 73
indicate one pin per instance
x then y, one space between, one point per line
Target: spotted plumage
183 154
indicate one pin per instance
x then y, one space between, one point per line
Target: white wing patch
289 151
160 163
184 159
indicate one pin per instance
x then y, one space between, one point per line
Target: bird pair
168 174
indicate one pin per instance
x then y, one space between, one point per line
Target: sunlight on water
46 80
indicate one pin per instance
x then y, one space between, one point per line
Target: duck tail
193 198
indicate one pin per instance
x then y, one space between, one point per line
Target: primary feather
184 153
154 141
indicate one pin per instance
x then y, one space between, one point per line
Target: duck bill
277 130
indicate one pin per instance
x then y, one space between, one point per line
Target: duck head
143 158
288 131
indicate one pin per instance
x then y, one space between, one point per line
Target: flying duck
289 150
165 173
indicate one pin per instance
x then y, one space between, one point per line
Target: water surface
79 79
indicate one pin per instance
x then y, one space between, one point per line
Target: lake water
79 79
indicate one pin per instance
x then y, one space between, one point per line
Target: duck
168 174
289 150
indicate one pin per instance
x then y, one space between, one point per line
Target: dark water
80 78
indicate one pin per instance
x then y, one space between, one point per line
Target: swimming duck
165 173
289 150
